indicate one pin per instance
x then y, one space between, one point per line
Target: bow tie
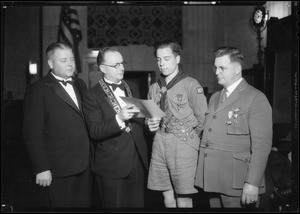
115 86
65 82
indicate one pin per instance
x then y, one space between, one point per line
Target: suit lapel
232 98
216 101
78 93
104 95
53 84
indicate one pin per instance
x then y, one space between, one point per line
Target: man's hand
44 178
153 124
250 194
127 112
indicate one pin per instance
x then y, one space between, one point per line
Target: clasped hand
44 178
128 112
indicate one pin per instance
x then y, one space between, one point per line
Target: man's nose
217 71
70 62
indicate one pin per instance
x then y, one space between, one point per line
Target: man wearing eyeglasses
237 137
120 158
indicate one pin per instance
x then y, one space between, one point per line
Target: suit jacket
54 128
236 142
114 148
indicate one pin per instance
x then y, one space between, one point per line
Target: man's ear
238 68
178 59
102 68
50 63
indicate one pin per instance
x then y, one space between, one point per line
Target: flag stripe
66 35
69 30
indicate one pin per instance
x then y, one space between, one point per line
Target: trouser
72 191
225 201
125 192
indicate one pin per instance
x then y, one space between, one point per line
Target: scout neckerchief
164 87
113 100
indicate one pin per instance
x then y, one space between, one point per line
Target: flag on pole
69 31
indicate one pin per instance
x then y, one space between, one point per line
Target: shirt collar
231 88
60 78
111 82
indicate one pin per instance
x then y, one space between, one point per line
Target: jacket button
210 129
214 117
205 155
206 145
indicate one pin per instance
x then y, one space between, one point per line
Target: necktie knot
115 86
66 82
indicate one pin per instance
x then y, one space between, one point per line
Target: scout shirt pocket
180 106
237 123
240 164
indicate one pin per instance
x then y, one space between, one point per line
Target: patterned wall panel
125 25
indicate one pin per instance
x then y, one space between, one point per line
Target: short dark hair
102 51
234 54
56 45
175 47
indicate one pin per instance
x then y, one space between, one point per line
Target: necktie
65 82
223 95
115 86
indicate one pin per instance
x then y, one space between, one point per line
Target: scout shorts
173 164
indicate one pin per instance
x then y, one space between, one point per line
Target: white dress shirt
231 88
69 88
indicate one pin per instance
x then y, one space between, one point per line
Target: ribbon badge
233 114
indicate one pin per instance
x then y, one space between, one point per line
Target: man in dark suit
55 131
120 158
237 137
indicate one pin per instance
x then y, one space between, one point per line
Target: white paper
148 109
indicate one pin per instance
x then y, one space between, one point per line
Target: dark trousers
125 192
72 191
225 201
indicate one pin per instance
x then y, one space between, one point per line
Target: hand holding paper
148 109
128 112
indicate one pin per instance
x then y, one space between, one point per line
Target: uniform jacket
114 148
186 105
54 128
236 142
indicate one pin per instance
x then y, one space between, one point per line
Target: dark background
19 193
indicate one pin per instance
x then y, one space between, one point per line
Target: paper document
147 108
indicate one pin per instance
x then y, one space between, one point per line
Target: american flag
69 31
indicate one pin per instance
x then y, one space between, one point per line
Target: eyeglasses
117 65
221 69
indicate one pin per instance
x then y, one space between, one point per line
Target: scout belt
180 129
